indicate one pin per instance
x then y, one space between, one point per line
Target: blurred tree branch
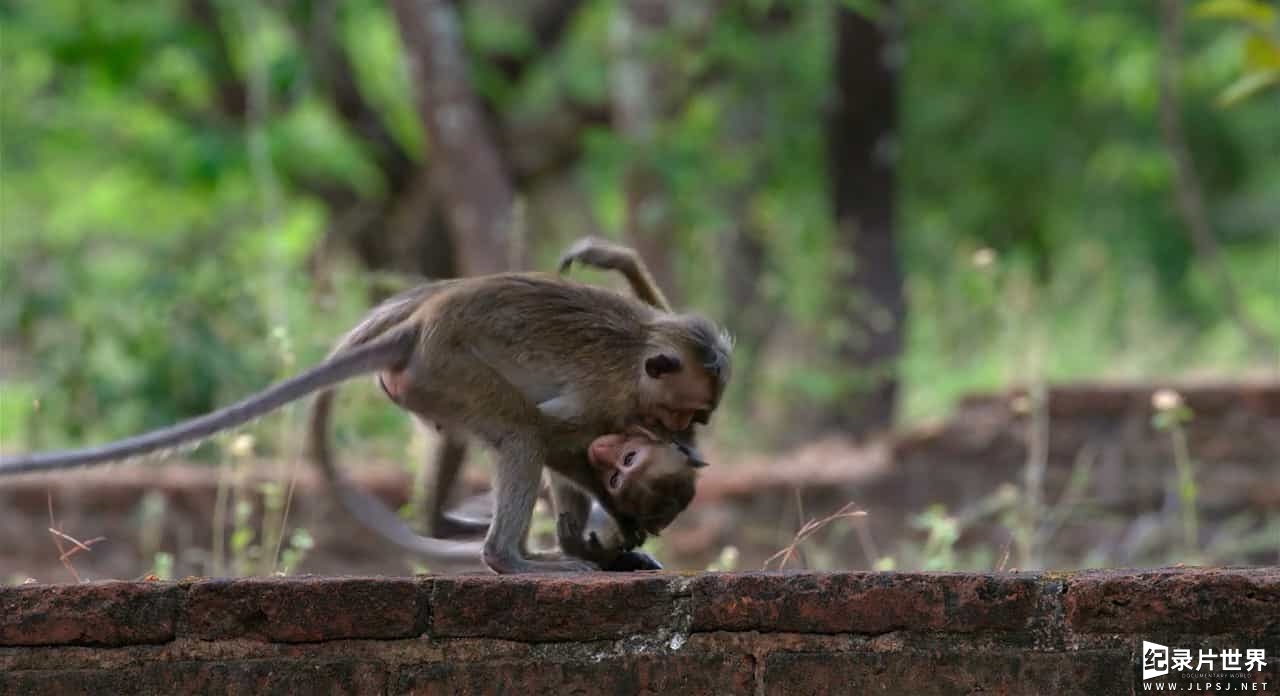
399 231
1188 193
641 101
477 192
233 93
404 232
315 23
862 162
547 21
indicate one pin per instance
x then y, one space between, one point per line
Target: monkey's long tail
370 357
372 512
391 315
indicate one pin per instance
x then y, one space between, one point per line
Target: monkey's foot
630 561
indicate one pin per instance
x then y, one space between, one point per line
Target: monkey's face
647 478
622 460
676 392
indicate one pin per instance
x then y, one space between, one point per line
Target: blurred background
1004 277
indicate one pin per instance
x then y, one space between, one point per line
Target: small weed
1171 416
727 559
162 565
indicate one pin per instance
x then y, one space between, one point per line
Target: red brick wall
753 633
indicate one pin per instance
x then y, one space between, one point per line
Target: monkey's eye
613 480
628 460
702 417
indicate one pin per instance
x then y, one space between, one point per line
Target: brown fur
489 350
660 493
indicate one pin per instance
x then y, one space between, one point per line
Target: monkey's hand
632 535
599 253
570 533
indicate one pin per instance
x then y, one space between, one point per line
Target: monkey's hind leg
605 255
449 461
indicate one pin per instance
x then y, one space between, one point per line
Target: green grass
976 329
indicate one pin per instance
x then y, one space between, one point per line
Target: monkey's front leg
516 480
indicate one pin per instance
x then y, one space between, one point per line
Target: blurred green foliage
1260 36
152 247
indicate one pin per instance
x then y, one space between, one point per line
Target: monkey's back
551 339
538 316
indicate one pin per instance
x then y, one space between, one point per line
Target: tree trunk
637 105
748 314
475 187
861 145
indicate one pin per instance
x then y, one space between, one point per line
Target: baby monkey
634 466
625 450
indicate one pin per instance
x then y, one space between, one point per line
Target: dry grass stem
65 554
809 529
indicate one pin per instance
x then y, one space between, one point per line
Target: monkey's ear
661 364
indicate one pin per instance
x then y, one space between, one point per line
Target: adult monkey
636 469
588 251
524 361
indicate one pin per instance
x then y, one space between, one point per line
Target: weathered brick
945 673
245 677
70 681
271 676
794 632
1182 601
688 675
96 613
300 610
868 603
550 608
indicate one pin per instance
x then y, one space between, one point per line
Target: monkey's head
686 369
649 479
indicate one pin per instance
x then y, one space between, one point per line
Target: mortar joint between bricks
423 612
1048 624
182 614
681 625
